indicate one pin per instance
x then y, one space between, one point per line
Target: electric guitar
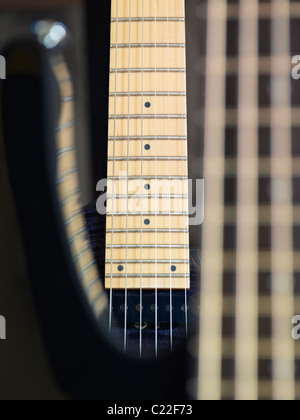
112 329
119 286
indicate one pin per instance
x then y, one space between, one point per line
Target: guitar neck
249 250
147 242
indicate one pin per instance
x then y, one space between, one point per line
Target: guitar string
113 183
127 183
156 210
142 151
186 218
170 217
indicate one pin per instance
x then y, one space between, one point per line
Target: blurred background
243 108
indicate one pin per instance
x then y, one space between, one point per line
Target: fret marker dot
120 268
173 268
147 105
147 187
147 222
147 147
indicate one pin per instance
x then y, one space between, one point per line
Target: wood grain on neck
147 208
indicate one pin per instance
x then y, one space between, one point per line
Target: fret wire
149 246
149 45
149 178
148 230
150 19
149 138
146 94
68 193
137 117
160 158
147 70
109 197
149 261
65 125
151 276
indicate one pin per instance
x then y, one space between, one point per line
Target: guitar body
85 364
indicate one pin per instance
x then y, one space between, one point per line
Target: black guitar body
85 364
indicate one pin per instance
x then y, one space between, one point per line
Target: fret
168 221
136 147
160 82
138 247
68 193
149 252
145 205
134 106
142 94
67 98
154 33
145 116
141 276
174 8
156 138
148 230
140 214
149 261
150 196
148 70
158 169
149 19
152 45
162 127
148 270
155 57
153 177
133 187
148 283
146 158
